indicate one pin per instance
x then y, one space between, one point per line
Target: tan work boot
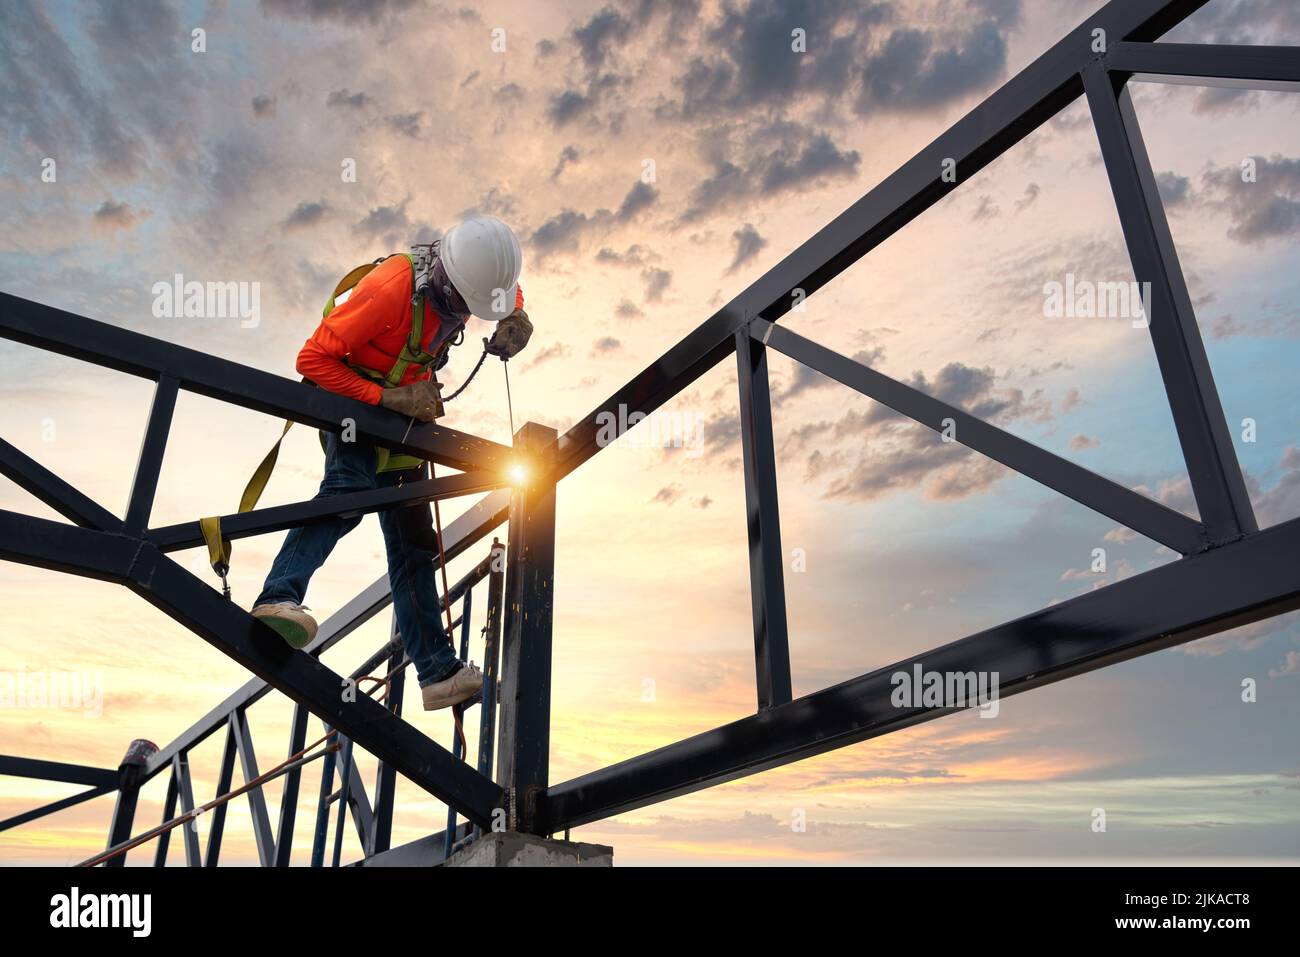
461 686
289 620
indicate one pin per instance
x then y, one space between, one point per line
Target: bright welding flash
518 474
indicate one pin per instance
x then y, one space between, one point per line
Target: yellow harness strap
219 546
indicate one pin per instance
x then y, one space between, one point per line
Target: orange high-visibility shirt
369 329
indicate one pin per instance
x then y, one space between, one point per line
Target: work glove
419 399
511 335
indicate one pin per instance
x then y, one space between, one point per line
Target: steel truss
1231 573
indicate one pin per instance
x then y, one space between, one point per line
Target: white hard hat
482 258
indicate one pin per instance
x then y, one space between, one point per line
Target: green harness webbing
412 354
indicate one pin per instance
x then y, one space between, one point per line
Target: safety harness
413 353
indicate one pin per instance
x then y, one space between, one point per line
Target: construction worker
367 348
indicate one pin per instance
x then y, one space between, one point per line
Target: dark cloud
1217 100
343 99
777 157
668 494
114 215
306 215
1173 188
605 345
1281 502
627 309
263 106
1239 22
876 452
560 233
565 231
751 58
594 38
808 162
748 243
639 197
634 255
557 351
385 221
407 124
985 209
1263 210
350 13
1032 192
657 282
920 69
567 105
568 156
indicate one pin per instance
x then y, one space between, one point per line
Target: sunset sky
655 157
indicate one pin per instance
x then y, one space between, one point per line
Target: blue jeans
412 546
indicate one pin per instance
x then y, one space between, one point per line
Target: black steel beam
149 463
1251 579
163 844
763 521
1204 61
225 779
262 833
185 794
57 771
221 623
279 517
59 805
487 722
54 330
422 852
119 827
385 776
30 475
1007 116
524 760
292 782
1129 508
1212 468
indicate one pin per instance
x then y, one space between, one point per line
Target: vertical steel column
385 774
185 790
149 464
256 799
459 711
289 798
169 809
523 762
123 817
763 519
345 779
226 776
323 806
1203 432
491 657
130 776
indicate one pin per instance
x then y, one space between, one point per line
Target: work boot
289 620
461 686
